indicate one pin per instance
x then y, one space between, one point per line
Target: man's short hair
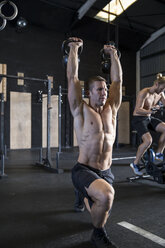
160 79
93 79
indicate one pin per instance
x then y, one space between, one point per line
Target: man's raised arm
115 93
74 88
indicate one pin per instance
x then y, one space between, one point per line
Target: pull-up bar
24 78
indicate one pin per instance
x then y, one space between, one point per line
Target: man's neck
151 90
96 108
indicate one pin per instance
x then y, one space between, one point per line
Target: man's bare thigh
99 187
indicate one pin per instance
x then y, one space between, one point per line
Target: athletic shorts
142 124
84 175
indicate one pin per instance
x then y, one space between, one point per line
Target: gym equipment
2 145
65 47
3 24
46 162
65 50
9 18
154 171
161 109
106 60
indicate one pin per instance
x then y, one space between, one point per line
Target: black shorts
142 124
84 175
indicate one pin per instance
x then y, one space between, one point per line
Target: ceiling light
116 8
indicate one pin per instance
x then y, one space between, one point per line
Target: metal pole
48 118
40 155
117 35
2 148
59 119
109 23
5 151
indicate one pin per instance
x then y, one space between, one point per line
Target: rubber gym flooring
36 206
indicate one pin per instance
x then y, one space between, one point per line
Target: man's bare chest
150 101
99 122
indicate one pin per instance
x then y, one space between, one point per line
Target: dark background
36 49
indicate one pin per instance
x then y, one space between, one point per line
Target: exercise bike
154 171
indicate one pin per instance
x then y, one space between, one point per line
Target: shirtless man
95 127
146 104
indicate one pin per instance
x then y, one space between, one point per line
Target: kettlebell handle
66 48
105 56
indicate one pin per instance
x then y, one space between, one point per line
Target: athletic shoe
79 205
159 157
136 169
102 241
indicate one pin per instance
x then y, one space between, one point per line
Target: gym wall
37 53
152 57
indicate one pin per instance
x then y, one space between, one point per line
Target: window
115 7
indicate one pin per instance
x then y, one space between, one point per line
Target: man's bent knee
108 200
101 193
147 140
105 198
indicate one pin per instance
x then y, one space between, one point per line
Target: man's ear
87 92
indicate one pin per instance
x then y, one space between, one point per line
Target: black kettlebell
66 49
106 60
105 66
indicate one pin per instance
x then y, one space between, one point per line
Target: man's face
98 93
160 88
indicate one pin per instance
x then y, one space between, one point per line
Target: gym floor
36 206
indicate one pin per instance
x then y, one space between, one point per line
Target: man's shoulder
143 92
145 89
